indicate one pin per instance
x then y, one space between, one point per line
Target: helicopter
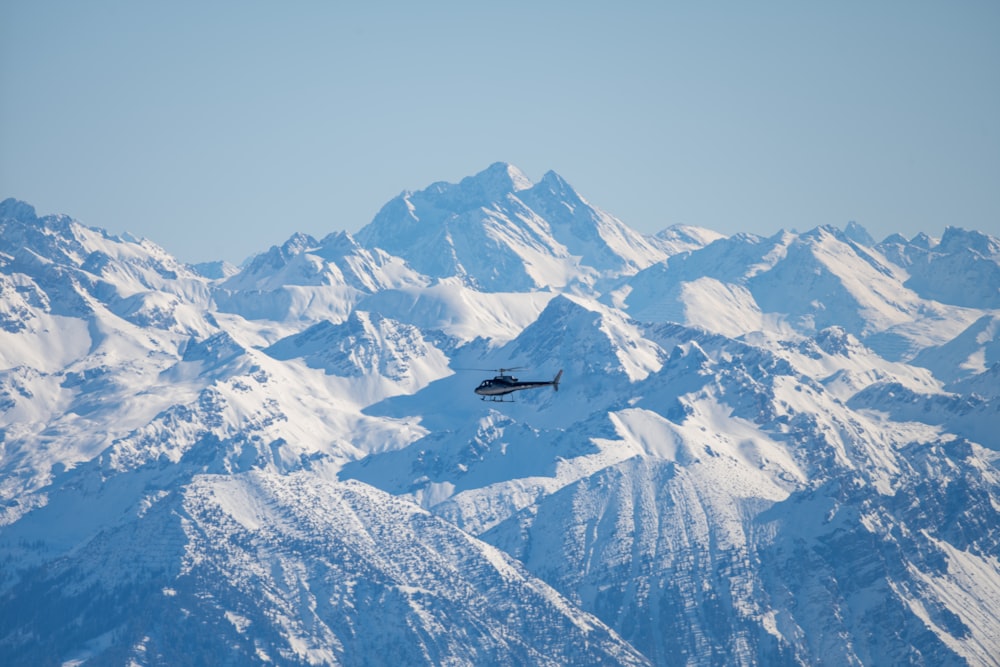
503 384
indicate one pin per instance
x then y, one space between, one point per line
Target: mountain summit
497 231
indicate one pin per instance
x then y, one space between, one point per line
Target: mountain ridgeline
763 451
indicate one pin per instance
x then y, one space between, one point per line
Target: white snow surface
761 451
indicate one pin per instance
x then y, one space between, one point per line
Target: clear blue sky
217 129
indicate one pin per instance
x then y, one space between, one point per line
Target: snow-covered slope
762 451
259 568
973 351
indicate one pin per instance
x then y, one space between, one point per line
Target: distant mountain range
766 451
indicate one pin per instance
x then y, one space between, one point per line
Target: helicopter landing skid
497 399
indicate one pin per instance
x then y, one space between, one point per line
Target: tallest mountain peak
497 180
498 231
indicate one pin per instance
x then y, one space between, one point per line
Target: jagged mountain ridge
730 409
743 283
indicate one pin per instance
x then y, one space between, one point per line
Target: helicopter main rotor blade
493 370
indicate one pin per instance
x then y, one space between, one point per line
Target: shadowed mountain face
762 451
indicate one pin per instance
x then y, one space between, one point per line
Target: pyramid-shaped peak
558 186
552 178
495 182
567 305
585 337
857 233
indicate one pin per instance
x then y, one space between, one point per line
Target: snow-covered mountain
497 231
802 283
306 279
962 268
763 450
